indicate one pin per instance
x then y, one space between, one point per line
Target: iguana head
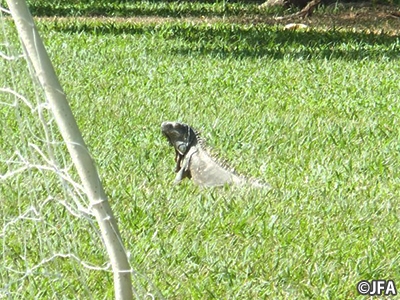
181 136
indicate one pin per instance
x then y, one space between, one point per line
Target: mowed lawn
315 114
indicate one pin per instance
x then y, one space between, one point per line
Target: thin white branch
7 57
19 96
2 9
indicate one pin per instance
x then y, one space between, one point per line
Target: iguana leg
184 170
178 160
179 177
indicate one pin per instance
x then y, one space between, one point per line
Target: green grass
315 114
146 8
234 40
175 8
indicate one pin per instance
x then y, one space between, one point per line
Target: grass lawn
313 113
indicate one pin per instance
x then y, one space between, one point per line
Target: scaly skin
192 161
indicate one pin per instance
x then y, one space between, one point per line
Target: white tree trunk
38 57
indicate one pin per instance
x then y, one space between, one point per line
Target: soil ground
380 19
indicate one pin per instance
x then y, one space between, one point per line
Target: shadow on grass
174 9
259 41
229 40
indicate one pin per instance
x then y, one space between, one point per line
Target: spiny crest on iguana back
194 161
182 136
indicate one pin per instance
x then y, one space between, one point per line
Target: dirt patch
355 17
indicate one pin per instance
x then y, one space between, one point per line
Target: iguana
193 161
